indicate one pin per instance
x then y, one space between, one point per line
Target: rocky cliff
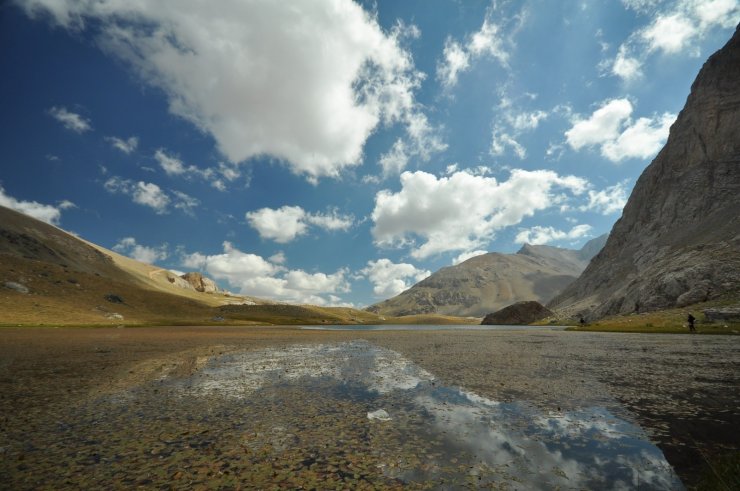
678 240
490 282
200 283
520 313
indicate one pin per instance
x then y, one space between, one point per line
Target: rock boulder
200 282
520 313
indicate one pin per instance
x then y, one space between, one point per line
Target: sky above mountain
335 152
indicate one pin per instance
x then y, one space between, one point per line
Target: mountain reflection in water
436 434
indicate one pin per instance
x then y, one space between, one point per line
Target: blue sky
335 152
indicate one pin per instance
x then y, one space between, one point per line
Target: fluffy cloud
544 235
71 121
389 278
669 33
607 201
253 275
185 202
457 58
151 195
126 146
46 213
129 247
526 120
611 128
500 141
173 166
462 211
288 222
421 141
305 82
511 122
603 125
674 28
642 139
625 66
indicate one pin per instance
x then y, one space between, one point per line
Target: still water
419 431
337 416
428 327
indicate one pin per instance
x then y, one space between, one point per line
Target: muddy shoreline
683 391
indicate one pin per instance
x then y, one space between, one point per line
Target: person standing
691 320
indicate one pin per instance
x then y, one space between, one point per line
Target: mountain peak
489 282
677 240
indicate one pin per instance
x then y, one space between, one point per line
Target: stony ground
683 390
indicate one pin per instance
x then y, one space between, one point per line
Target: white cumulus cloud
457 58
675 28
126 146
669 33
462 211
71 121
500 141
46 213
307 82
607 201
603 125
389 278
641 139
151 195
544 235
626 66
129 247
172 165
611 128
253 275
286 223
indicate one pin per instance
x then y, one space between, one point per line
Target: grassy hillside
663 321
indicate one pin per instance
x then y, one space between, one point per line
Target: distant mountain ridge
492 281
678 240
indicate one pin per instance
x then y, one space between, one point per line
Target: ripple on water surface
342 415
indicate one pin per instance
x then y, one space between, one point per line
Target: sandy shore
683 390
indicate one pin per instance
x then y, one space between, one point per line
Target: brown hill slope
65 279
51 277
678 240
490 282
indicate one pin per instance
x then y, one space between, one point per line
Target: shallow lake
429 327
333 416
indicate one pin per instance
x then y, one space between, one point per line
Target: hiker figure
691 320
582 321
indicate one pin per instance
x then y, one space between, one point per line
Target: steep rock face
520 313
678 240
200 283
489 282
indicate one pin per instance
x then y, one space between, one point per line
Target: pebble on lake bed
380 415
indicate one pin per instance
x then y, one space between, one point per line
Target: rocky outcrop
722 314
19 287
179 281
200 283
520 313
489 282
678 240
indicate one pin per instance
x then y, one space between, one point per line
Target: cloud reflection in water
488 442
